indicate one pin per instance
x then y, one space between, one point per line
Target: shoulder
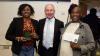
60 23
58 20
34 20
41 20
17 19
85 24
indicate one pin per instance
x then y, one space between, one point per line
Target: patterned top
28 27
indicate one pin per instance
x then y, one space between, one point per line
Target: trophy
27 35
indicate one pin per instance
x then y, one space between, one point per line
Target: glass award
27 35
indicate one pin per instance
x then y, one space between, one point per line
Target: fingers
20 39
34 35
23 39
74 45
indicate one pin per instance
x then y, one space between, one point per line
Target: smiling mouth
75 17
26 14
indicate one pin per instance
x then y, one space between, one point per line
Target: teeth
75 17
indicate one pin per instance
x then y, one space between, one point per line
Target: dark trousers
49 52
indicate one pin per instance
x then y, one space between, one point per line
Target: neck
76 21
50 18
26 17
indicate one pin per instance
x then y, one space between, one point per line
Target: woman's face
26 12
75 14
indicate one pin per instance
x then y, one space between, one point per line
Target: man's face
49 11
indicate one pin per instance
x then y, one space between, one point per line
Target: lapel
19 26
43 24
80 32
33 23
79 29
22 24
55 27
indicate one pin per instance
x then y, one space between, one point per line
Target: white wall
8 10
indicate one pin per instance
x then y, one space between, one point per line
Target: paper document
70 37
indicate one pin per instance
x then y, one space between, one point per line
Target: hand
21 39
74 45
34 35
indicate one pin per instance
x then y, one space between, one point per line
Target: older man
49 30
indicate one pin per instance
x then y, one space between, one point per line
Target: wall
8 10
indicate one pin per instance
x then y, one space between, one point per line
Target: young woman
85 42
23 32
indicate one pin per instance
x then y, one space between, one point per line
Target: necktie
47 42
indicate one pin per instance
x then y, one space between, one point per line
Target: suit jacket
16 29
86 40
57 27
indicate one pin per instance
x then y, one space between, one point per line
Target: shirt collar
51 20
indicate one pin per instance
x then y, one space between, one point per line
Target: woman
84 41
23 32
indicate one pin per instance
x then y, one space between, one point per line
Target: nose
49 11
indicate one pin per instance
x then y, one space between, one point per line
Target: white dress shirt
48 33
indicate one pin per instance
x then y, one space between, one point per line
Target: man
49 31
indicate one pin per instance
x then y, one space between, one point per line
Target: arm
39 29
90 41
62 25
10 34
35 34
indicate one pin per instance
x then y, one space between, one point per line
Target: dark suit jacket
16 29
57 33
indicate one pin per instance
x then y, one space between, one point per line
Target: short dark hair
93 11
72 6
22 6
